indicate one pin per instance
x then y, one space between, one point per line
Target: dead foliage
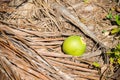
31 35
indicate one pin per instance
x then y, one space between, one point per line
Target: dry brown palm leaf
12 59
18 52
24 54
30 43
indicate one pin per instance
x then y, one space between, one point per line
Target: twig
86 75
52 54
89 55
69 62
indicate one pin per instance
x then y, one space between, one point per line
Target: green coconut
74 45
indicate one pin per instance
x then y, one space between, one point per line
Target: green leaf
110 53
117 19
115 30
117 54
118 47
111 60
96 64
118 60
114 55
104 31
86 1
109 16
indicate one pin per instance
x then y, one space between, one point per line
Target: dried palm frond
18 56
30 45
